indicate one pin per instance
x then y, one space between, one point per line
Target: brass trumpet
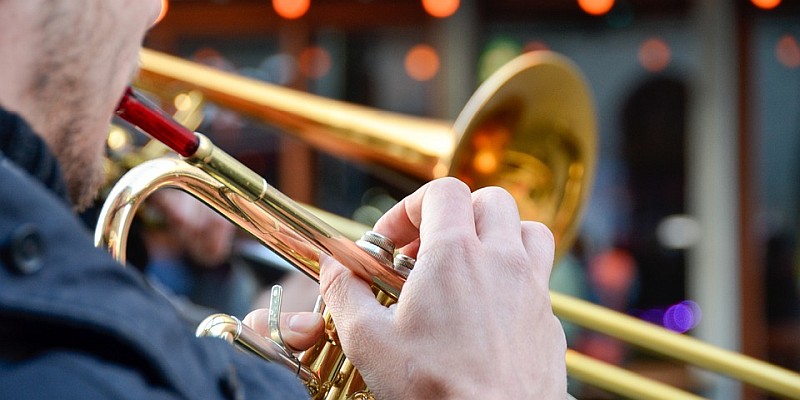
299 236
277 222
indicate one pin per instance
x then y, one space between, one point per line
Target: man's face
86 52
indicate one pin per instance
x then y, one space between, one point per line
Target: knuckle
494 200
540 246
449 184
331 280
539 231
493 194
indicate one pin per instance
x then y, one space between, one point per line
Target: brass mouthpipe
237 193
283 226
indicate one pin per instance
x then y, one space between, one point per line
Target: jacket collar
20 144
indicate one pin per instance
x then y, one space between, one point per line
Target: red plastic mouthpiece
149 118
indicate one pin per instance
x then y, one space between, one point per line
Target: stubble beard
69 94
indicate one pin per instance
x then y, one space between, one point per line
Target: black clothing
76 324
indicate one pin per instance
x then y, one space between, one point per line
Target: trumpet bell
530 129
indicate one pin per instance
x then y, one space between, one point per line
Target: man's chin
85 195
83 204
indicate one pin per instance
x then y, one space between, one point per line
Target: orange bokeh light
441 8
314 62
163 13
596 7
654 54
788 51
766 4
485 162
291 9
535 45
422 62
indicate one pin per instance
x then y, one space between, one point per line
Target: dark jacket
74 324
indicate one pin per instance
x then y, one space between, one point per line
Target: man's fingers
410 249
540 246
301 330
497 219
356 313
445 206
401 222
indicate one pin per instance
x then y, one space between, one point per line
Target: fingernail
303 322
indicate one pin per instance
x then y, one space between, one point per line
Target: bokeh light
163 13
183 101
314 62
682 317
766 4
422 62
596 7
654 55
613 270
291 9
441 8
119 139
498 52
678 232
535 45
488 144
788 51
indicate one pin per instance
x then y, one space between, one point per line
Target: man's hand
474 318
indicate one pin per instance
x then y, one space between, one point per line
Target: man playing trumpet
473 321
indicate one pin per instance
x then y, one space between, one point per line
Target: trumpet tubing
236 192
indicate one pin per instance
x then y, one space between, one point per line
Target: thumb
303 329
299 330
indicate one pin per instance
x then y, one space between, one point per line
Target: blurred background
695 207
